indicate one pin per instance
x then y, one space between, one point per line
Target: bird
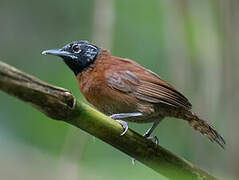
128 92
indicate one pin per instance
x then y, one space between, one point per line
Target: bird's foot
124 125
152 138
122 116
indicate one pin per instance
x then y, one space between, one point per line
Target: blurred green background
192 44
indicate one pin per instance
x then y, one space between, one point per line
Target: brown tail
206 129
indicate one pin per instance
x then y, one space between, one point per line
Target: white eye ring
76 48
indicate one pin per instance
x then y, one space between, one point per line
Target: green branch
60 104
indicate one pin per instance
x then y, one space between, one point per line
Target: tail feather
206 129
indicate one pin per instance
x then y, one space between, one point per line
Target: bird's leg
120 116
150 130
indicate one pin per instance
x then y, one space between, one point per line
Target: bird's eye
76 48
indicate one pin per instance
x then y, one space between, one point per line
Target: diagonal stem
60 104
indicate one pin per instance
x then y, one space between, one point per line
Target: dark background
191 44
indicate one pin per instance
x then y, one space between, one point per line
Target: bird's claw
152 138
124 125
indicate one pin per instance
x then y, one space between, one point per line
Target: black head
77 55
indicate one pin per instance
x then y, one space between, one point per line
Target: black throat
79 66
83 61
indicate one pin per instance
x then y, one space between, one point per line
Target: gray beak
59 52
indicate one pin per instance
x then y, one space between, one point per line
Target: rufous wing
146 86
